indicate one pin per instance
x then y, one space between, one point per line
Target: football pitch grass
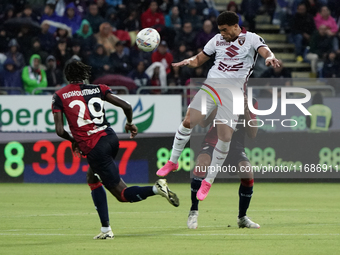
61 219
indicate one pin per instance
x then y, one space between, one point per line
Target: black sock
245 194
195 185
100 201
136 193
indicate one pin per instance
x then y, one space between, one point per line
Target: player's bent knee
247 182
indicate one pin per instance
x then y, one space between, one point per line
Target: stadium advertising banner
50 160
275 156
34 114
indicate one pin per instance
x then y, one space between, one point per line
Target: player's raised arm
117 101
269 56
194 61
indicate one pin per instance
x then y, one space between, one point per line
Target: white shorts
224 110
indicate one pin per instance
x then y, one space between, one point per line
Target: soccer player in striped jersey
235 51
236 158
83 106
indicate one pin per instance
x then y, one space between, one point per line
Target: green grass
61 219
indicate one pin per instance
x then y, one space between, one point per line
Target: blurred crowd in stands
39 37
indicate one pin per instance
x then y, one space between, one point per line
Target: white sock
105 229
181 138
220 153
155 190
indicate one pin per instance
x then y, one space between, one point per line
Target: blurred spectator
232 6
62 35
121 63
201 7
137 55
36 49
302 28
324 18
106 38
25 35
249 10
103 7
85 30
4 39
186 36
156 80
165 5
313 6
49 14
14 54
76 50
279 76
112 18
320 44
132 25
28 13
8 13
86 37
46 39
163 56
71 18
94 18
54 75
321 118
173 20
204 36
140 77
61 54
268 6
100 62
331 67
32 76
194 18
151 16
10 76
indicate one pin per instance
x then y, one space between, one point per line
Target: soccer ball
148 39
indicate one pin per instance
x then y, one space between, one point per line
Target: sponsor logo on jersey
261 40
222 43
83 92
232 51
241 40
231 68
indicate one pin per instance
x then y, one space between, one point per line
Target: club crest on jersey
241 40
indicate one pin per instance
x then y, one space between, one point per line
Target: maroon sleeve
105 90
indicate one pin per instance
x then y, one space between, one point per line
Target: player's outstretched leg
136 194
192 222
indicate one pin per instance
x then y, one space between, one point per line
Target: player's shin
220 153
195 185
99 199
181 138
136 193
245 193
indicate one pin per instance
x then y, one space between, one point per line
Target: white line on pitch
198 234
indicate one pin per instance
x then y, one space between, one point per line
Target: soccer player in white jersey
235 52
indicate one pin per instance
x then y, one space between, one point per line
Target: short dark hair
317 99
77 71
227 18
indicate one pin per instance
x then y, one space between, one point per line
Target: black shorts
101 160
235 155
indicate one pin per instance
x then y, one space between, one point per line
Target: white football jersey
234 59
